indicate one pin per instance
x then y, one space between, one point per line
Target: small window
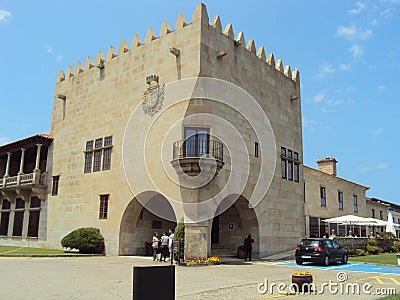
107 141
97 160
94 156
35 202
373 213
103 211
89 145
54 188
107 159
296 172
98 143
340 200
323 195
290 170
4 217
19 204
355 204
283 165
256 149
290 154
283 151
156 225
296 156
6 204
88 162
381 214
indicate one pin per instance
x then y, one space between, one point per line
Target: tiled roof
44 139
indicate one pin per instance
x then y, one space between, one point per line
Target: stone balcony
24 185
192 157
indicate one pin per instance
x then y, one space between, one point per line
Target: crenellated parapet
200 16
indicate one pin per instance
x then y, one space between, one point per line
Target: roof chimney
327 165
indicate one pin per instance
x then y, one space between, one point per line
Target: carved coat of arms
153 97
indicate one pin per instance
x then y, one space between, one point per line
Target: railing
11 181
26 179
23 179
198 147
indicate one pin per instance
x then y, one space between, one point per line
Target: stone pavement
111 278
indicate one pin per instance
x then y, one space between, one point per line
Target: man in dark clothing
247 246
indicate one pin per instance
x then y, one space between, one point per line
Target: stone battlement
200 15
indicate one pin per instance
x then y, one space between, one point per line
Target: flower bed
202 261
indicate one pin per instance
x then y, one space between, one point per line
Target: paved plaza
111 278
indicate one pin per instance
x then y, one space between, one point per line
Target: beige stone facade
191 125
328 196
105 99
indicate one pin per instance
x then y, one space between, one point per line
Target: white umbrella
390 225
351 219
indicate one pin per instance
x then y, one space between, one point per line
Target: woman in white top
155 245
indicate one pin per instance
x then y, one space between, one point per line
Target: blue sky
348 54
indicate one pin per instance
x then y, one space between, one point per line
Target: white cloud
352 33
356 51
325 110
59 58
382 166
318 98
364 34
323 70
373 166
360 6
48 48
4 15
381 87
347 32
344 67
392 1
377 132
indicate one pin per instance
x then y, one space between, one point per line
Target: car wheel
326 260
299 262
344 259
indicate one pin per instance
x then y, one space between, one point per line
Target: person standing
155 245
248 247
170 246
164 246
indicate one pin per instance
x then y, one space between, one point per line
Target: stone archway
232 226
139 223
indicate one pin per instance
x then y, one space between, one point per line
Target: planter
302 281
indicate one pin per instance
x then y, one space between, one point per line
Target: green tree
179 235
87 240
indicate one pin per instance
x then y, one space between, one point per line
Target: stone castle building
193 125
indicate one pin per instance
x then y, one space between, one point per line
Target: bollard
154 282
398 259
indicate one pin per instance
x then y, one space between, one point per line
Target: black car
320 250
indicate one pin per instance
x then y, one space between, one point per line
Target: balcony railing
26 179
22 180
11 181
196 148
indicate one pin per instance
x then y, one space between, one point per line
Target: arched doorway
139 222
230 228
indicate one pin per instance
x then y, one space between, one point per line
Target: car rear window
312 243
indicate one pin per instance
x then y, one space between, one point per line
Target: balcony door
196 141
